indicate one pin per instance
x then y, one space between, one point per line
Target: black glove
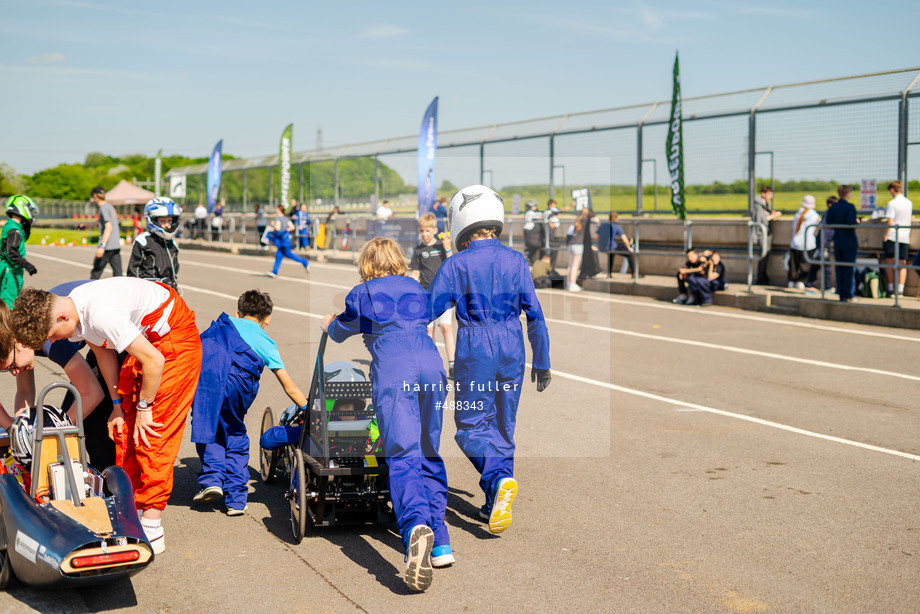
30 268
542 377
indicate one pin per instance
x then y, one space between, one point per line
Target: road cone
44 242
84 240
62 240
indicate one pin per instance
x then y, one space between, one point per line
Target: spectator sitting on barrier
608 235
543 273
693 266
716 272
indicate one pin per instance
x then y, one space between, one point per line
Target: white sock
890 288
150 523
900 288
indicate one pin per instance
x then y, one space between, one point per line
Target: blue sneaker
500 516
418 558
441 556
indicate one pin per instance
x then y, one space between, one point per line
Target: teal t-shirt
259 341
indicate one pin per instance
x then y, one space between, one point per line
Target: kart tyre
6 569
268 459
298 496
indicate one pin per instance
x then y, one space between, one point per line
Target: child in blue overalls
491 285
392 311
234 352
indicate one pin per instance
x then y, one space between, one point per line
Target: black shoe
680 300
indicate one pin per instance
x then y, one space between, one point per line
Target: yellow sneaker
500 517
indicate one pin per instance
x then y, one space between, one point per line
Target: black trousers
109 256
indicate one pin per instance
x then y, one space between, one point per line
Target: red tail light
105 559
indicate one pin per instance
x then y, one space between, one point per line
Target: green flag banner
675 148
284 161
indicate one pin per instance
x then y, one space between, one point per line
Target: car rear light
105 559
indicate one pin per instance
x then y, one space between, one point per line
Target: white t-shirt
899 209
804 239
111 311
384 213
201 212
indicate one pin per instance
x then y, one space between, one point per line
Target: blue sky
120 77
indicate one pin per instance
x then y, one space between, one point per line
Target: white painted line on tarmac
737 350
617 331
679 404
717 313
683 406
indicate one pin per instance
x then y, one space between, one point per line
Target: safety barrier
823 262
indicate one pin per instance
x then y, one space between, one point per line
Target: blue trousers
410 429
489 373
284 251
225 463
846 275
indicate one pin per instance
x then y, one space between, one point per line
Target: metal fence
838 130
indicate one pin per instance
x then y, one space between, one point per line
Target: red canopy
126 193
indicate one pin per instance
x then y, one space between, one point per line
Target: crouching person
153 392
235 350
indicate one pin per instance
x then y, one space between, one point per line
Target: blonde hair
427 221
380 257
484 233
579 221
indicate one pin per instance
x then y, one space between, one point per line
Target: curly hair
6 331
379 257
31 317
256 304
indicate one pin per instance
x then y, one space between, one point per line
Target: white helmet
472 208
162 207
22 432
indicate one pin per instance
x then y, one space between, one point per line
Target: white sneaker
800 285
208 495
791 284
271 274
155 536
232 511
574 288
419 572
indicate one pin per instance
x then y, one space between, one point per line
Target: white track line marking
700 344
639 393
717 313
681 405
737 350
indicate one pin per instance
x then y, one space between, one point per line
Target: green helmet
22 206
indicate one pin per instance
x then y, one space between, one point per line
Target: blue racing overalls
409 387
227 386
491 285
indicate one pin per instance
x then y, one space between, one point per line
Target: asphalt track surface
682 460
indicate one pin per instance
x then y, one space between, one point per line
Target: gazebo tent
126 193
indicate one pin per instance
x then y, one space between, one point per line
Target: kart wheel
268 459
6 569
298 496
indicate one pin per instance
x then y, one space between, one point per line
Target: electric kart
58 527
336 473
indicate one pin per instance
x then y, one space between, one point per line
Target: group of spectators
816 235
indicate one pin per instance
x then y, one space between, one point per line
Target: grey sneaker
232 511
208 495
270 274
419 572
